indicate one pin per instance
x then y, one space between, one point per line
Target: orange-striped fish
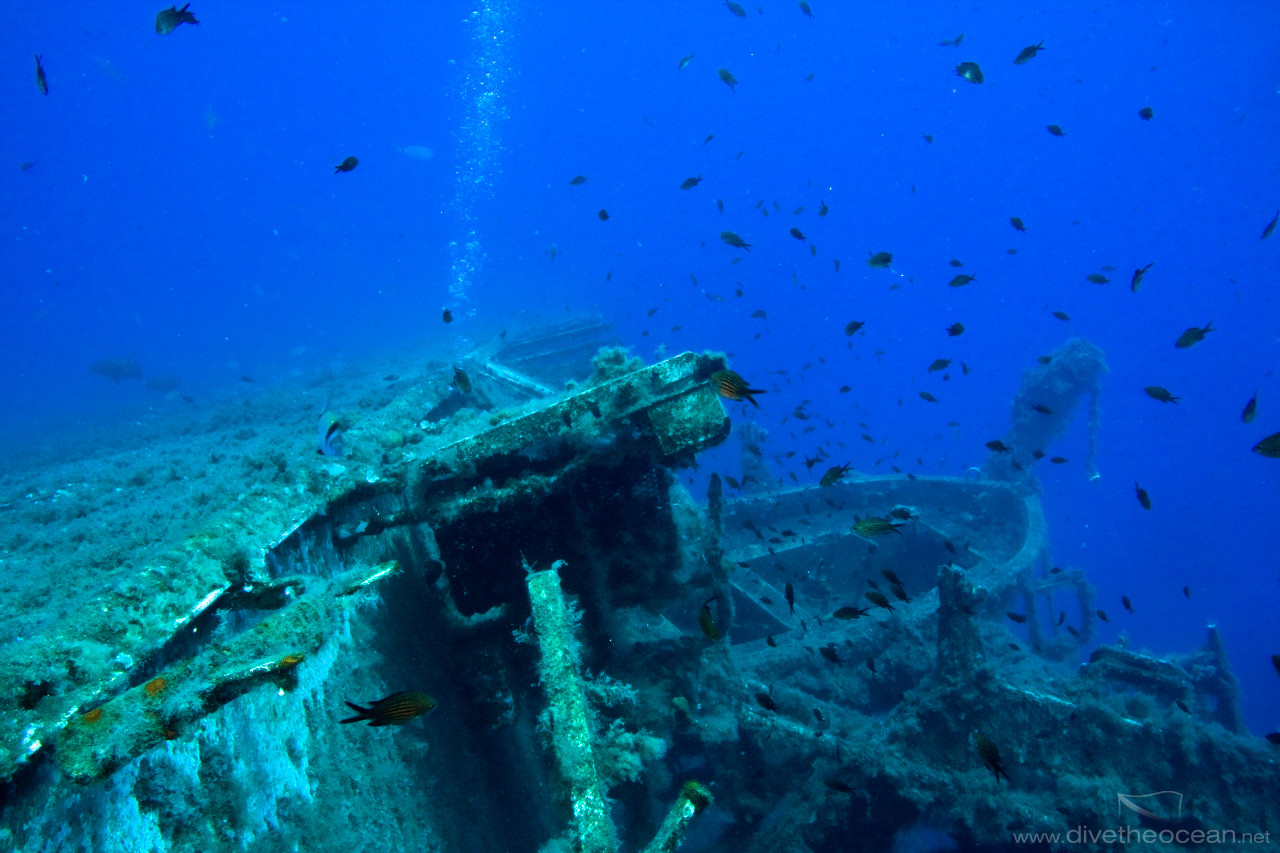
731 386
397 709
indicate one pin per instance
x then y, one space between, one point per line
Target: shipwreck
524 552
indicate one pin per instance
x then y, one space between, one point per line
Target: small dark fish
397 709
797 233
998 446
834 474
1155 392
766 701
1136 281
969 71
804 7
1044 359
939 364
734 240
900 593
690 183
817 715
1146 113
789 593
990 755
961 280
957 263
1186 592
1271 226
1016 617
461 380
170 19
346 165
955 329
1062 616
1143 497
42 82
1017 224
822 208
772 643
577 180
1097 278
729 80
1102 614
871 665
707 621
731 386
1055 130
828 652
1250 409
1193 335
1058 460
735 9
853 326
684 62
603 214
1128 605
1275 662
928 137
880 260
955 42
877 598
1273 737
1028 53
1072 631
1062 315
1042 409
27 166
447 316
927 397
846 613
248 379
1269 446
391 377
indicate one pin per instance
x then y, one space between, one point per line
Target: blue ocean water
182 210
